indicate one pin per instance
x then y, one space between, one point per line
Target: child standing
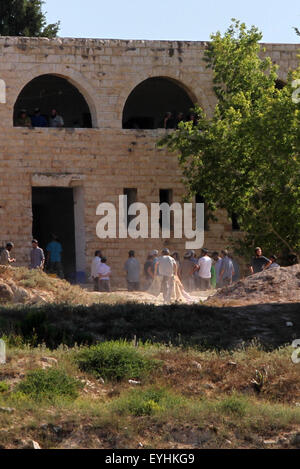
104 272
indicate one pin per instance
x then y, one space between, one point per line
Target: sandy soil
144 297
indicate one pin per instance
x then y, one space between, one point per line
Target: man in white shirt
204 270
104 273
55 120
167 269
95 268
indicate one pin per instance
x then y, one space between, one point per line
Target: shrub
147 402
115 360
49 384
234 405
4 387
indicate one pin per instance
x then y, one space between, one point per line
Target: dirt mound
24 286
278 285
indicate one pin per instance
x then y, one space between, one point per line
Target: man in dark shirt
38 120
259 262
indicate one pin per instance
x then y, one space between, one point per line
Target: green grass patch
4 387
48 385
234 405
139 402
115 361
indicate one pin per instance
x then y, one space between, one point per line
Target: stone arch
181 80
76 79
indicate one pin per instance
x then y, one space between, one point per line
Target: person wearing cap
259 262
132 268
204 270
23 119
37 120
273 264
167 270
154 254
5 258
186 270
37 257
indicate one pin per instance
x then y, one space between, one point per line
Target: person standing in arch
37 257
54 250
55 119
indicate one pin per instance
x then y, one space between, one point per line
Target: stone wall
105 159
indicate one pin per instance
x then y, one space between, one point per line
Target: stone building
112 95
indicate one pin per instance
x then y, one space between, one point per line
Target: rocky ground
19 285
278 285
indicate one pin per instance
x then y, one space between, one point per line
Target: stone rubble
278 285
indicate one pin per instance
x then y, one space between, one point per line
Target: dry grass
209 399
55 289
215 374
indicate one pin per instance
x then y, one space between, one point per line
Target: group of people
260 262
100 273
167 274
39 120
164 273
37 258
172 120
193 272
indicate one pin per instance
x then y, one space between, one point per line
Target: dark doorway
53 212
48 92
148 103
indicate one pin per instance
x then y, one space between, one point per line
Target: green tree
25 18
245 158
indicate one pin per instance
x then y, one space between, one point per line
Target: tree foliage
25 18
245 158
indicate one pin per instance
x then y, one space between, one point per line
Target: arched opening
150 101
47 93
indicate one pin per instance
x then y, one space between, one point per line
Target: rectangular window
165 196
131 199
235 222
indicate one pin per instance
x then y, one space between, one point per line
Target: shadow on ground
273 325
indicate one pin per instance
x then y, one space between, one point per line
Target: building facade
112 95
